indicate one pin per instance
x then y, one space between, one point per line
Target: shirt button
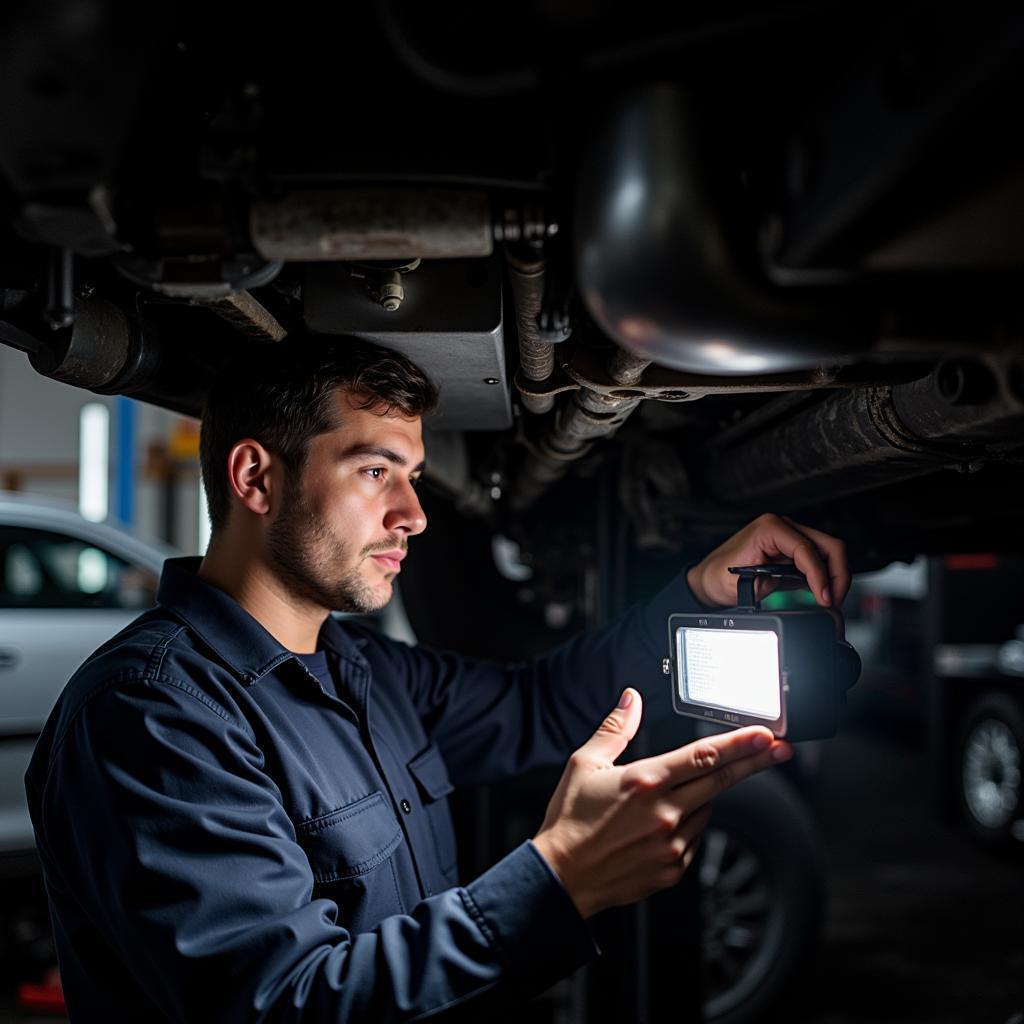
406 806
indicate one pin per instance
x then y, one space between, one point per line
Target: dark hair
283 399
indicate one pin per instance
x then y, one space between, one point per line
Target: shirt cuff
528 916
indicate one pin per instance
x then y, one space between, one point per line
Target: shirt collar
221 622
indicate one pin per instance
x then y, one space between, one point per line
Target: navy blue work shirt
223 839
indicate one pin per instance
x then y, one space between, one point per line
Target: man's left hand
771 538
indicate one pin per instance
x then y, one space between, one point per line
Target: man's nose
406 513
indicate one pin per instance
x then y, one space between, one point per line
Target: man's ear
251 475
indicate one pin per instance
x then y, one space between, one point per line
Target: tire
990 768
762 881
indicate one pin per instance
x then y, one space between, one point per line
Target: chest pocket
433 785
349 851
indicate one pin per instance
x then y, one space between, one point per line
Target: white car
66 586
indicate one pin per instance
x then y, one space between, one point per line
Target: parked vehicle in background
884 618
66 586
977 692
942 643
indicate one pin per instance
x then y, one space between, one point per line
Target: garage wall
39 427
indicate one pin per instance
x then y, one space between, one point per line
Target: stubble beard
307 557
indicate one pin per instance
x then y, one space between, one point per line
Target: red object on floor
46 996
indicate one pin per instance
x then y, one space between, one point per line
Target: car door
61 596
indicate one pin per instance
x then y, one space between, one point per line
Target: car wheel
990 760
762 882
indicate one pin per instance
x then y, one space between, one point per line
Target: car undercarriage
671 267
762 257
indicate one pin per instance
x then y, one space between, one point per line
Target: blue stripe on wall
125 460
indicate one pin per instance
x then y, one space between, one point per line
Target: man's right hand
614 835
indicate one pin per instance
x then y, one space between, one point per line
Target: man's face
345 525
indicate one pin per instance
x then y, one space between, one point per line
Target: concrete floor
923 927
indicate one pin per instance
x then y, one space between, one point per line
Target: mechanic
239 800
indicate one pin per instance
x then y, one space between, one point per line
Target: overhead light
204 519
93 461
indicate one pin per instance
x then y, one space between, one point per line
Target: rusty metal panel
373 224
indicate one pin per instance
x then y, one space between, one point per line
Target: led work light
743 666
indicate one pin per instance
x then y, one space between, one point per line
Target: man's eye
376 472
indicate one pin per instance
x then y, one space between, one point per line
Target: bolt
59 311
391 291
57 319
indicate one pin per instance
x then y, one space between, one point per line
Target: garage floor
922 926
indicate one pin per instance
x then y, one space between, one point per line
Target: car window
45 569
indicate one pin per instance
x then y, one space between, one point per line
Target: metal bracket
585 372
748 574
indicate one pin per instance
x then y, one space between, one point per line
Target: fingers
690 796
693 826
817 555
783 538
682 847
833 550
702 756
771 538
614 733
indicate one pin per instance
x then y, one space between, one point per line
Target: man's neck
291 621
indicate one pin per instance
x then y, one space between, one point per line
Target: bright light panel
93 461
733 669
204 520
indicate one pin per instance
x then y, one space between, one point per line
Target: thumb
617 729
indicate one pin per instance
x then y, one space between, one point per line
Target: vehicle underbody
766 258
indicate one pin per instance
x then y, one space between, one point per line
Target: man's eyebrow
362 451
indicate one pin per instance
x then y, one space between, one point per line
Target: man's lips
390 560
